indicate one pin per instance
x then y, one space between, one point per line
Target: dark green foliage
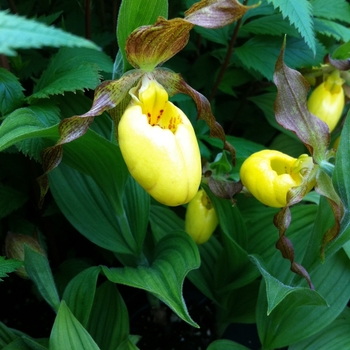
103 233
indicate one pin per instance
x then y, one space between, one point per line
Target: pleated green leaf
176 254
6 335
334 336
22 124
163 222
38 269
224 344
109 320
85 206
276 291
80 292
68 333
296 320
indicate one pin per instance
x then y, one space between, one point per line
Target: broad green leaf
263 235
260 53
136 203
233 269
218 35
37 344
129 344
6 335
20 33
293 318
176 254
270 25
342 52
71 70
38 269
11 92
133 14
265 102
102 160
288 145
263 9
224 344
332 9
48 115
234 77
68 333
10 199
277 291
204 277
23 124
333 29
163 222
85 206
335 336
8 266
109 319
237 306
299 13
80 292
17 344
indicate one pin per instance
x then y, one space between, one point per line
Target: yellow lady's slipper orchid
327 101
201 219
159 145
269 175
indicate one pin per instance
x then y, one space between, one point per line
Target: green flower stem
327 167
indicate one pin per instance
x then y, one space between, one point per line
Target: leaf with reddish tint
325 188
282 221
339 64
107 96
150 46
225 189
216 13
292 113
175 84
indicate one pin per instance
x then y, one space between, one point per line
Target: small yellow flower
201 219
268 175
159 145
327 101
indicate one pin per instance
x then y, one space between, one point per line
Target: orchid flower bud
327 101
159 145
14 248
201 219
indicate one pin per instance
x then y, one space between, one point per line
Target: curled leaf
282 221
225 189
107 95
292 113
150 46
216 13
339 64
